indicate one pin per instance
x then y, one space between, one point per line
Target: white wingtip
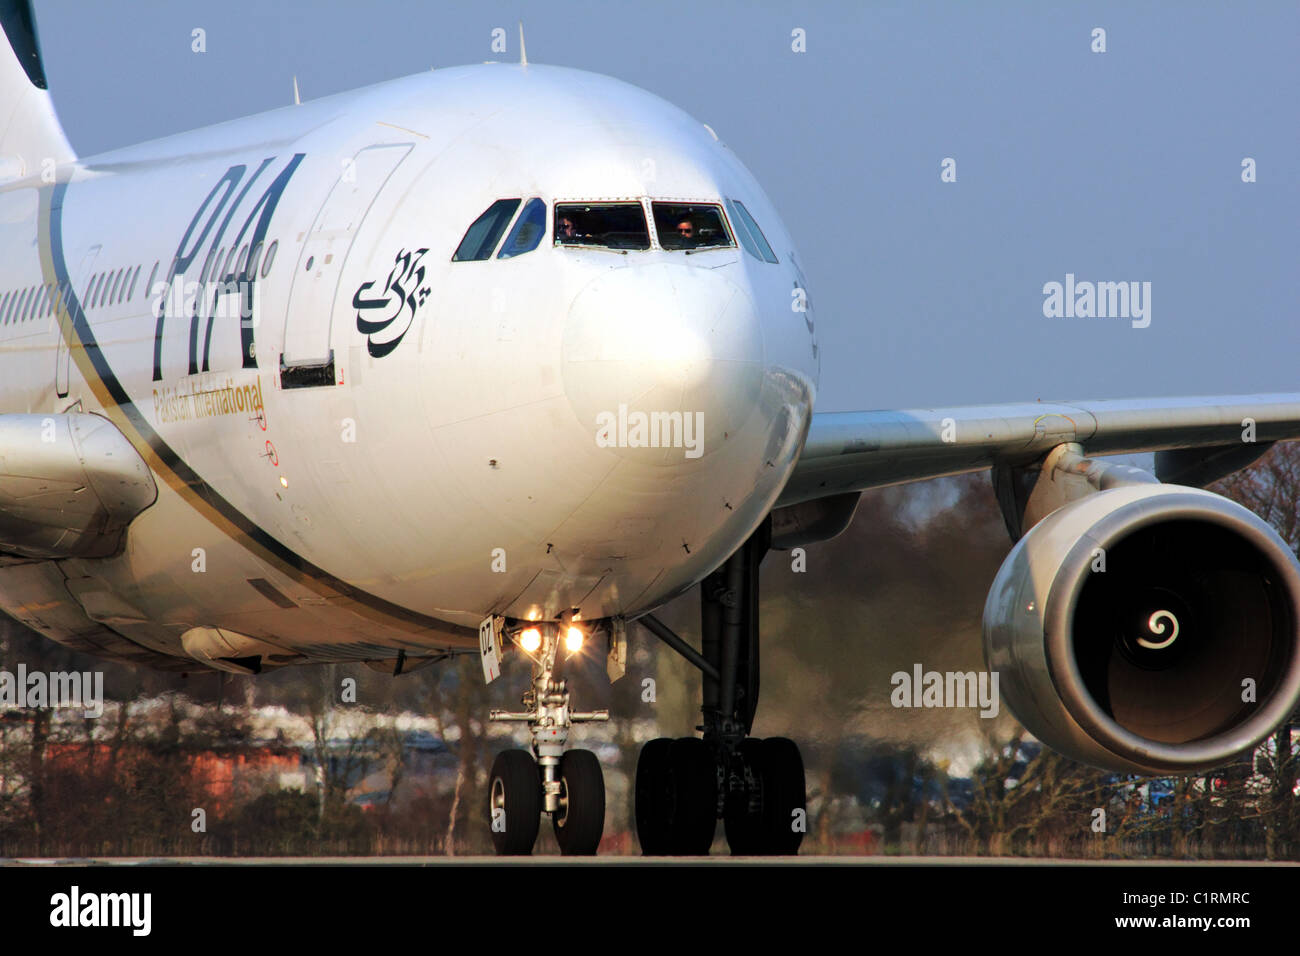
297 100
523 52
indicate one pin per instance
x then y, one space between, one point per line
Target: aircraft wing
1197 439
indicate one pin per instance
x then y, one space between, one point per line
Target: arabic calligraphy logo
394 301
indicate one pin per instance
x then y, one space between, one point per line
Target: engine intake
1148 629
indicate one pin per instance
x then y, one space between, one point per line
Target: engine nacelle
1148 629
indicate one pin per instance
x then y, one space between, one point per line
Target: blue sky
1123 165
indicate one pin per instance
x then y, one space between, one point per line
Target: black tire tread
695 791
584 785
785 790
651 798
523 788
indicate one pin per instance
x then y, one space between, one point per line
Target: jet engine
1147 628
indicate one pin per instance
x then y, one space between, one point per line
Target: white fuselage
453 468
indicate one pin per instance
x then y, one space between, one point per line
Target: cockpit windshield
528 231
751 237
485 232
690 226
609 225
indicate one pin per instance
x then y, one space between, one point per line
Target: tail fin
30 134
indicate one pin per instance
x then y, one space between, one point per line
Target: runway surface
630 861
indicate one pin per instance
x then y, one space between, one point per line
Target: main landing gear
756 786
566 785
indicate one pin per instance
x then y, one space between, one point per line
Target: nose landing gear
566 785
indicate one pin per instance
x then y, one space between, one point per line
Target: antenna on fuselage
523 53
297 100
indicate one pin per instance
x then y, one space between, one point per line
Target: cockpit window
528 231
610 225
482 236
751 237
690 226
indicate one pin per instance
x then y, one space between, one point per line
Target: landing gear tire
580 819
654 798
784 793
763 822
515 803
676 797
743 816
695 791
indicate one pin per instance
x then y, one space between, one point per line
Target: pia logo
385 318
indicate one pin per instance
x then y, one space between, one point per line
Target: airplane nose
661 340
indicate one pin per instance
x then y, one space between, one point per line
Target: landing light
530 640
573 640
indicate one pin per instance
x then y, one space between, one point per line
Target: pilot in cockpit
567 230
685 233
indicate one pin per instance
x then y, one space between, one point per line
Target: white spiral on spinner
1156 624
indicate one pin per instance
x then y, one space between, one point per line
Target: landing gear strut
756 786
566 785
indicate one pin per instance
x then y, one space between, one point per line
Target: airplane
498 360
